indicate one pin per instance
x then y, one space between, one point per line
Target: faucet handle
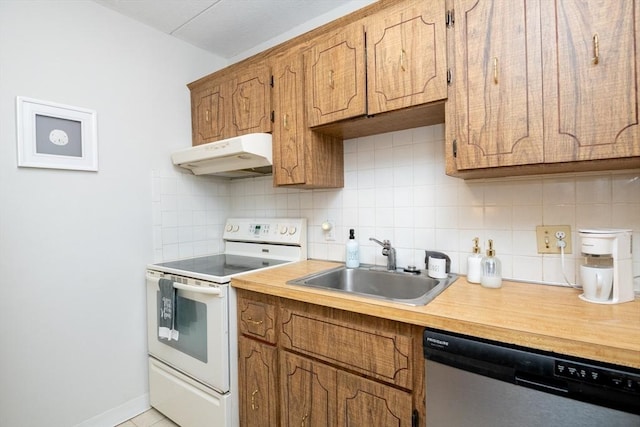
385 243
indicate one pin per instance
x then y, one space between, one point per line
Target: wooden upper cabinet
336 76
251 101
236 103
497 82
288 126
543 87
406 56
403 64
301 157
592 78
208 113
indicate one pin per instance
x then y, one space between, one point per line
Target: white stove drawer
185 401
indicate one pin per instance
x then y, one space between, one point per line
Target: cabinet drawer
257 316
374 347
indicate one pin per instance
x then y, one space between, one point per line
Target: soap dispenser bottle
353 251
474 264
491 269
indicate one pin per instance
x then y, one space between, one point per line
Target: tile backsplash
396 189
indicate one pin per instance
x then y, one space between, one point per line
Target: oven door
202 321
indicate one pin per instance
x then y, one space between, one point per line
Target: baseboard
119 414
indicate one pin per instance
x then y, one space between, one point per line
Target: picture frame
56 136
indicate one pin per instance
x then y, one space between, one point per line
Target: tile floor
150 418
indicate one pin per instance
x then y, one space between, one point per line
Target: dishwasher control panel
597 376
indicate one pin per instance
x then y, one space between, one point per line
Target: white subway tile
396 188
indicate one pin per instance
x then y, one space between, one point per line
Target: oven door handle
197 289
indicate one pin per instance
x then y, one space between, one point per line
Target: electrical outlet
551 237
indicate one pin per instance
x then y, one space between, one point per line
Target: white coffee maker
606 273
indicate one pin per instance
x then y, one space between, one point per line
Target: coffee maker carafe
606 273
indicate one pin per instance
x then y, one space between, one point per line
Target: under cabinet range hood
240 157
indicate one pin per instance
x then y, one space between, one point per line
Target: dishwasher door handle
540 385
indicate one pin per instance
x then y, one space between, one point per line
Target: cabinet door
288 127
308 392
335 76
258 388
406 56
250 94
375 347
207 114
257 316
497 83
301 157
592 72
362 402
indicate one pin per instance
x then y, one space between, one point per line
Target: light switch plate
548 236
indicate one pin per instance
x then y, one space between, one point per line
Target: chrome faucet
387 251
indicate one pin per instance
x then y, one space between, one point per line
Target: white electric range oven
193 379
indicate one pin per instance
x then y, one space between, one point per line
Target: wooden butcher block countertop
550 318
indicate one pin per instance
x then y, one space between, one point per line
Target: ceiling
229 27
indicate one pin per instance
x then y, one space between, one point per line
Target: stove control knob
229 227
292 230
283 229
235 228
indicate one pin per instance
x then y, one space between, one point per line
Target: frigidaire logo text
436 342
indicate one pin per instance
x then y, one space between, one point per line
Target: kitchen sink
397 286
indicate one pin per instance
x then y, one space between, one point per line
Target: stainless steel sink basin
396 286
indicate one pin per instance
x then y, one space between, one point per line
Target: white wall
396 189
73 245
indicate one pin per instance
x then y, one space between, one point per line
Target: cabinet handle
331 84
245 99
208 116
402 54
495 70
302 424
285 124
596 49
249 319
254 405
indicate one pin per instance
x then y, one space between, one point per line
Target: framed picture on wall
56 136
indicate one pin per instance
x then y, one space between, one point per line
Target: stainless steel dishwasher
476 382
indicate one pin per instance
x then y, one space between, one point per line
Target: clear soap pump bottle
353 251
491 269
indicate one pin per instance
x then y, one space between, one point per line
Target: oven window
191 323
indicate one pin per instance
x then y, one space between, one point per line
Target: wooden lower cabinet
328 367
258 383
313 394
362 402
308 392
